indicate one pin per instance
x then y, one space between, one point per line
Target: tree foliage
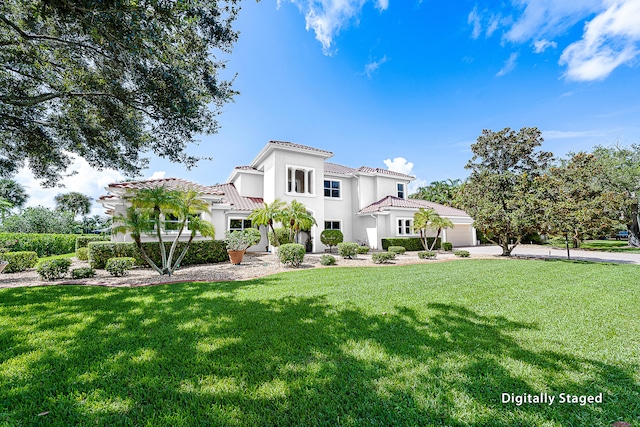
108 80
500 193
13 192
296 217
620 168
428 219
146 215
41 220
268 215
74 202
445 192
575 203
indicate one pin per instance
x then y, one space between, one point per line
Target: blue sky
409 84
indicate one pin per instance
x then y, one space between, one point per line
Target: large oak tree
109 80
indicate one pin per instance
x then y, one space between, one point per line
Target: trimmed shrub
383 257
399 250
348 249
19 261
200 252
462 254
409 243
82 254
327 259
120 266
363 249
447 246
82 273
331 238
54 268
42 244
283 234
292 254
84 240
100 252
427 254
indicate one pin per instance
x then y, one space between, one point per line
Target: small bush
19 261
427 254
283 234
383 257
399 250
447 246
54 268
82 254
84 240
462 254
348 249
327 259
82 273
292 254
363 249
331 238
120 266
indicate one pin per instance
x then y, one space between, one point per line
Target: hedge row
42 244
19 261
200 252
409 243
84 240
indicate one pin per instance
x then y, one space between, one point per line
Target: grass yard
419 345
609 246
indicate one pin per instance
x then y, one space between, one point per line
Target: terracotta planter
236 257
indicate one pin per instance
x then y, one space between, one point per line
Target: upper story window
332 225
405 226
299 180
332 189
239 224
401 189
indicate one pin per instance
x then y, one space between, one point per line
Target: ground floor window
405 226
172 222
332 225
239 224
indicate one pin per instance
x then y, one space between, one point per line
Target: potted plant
238 241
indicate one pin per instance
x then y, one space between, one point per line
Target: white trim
308 186
404 226
229 219
339 221
404 191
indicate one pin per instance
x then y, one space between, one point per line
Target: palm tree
298 218
145 216
422 222
13 192
5 207
438 223
267 215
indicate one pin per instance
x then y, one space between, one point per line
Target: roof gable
391 202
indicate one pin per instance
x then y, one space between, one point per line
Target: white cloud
373 66
509 64
474 20
541 45
415 184
88 181
611 39
327 17
400 165
562 134
158 175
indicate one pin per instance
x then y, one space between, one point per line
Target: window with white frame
401 189
405 226
332 225
332 188
299 180
171 222
239 224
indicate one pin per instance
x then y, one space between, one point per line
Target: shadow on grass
202 354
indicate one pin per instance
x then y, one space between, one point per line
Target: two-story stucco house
366 204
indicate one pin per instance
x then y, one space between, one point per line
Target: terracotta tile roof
367 169
396 202
300 146
334 168
234 198
169 183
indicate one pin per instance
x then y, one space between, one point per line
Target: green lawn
420 345
609 246
47 258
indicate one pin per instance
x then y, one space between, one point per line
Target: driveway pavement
547 252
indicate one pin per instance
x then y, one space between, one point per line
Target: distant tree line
516 190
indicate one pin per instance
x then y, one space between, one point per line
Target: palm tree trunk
433 245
